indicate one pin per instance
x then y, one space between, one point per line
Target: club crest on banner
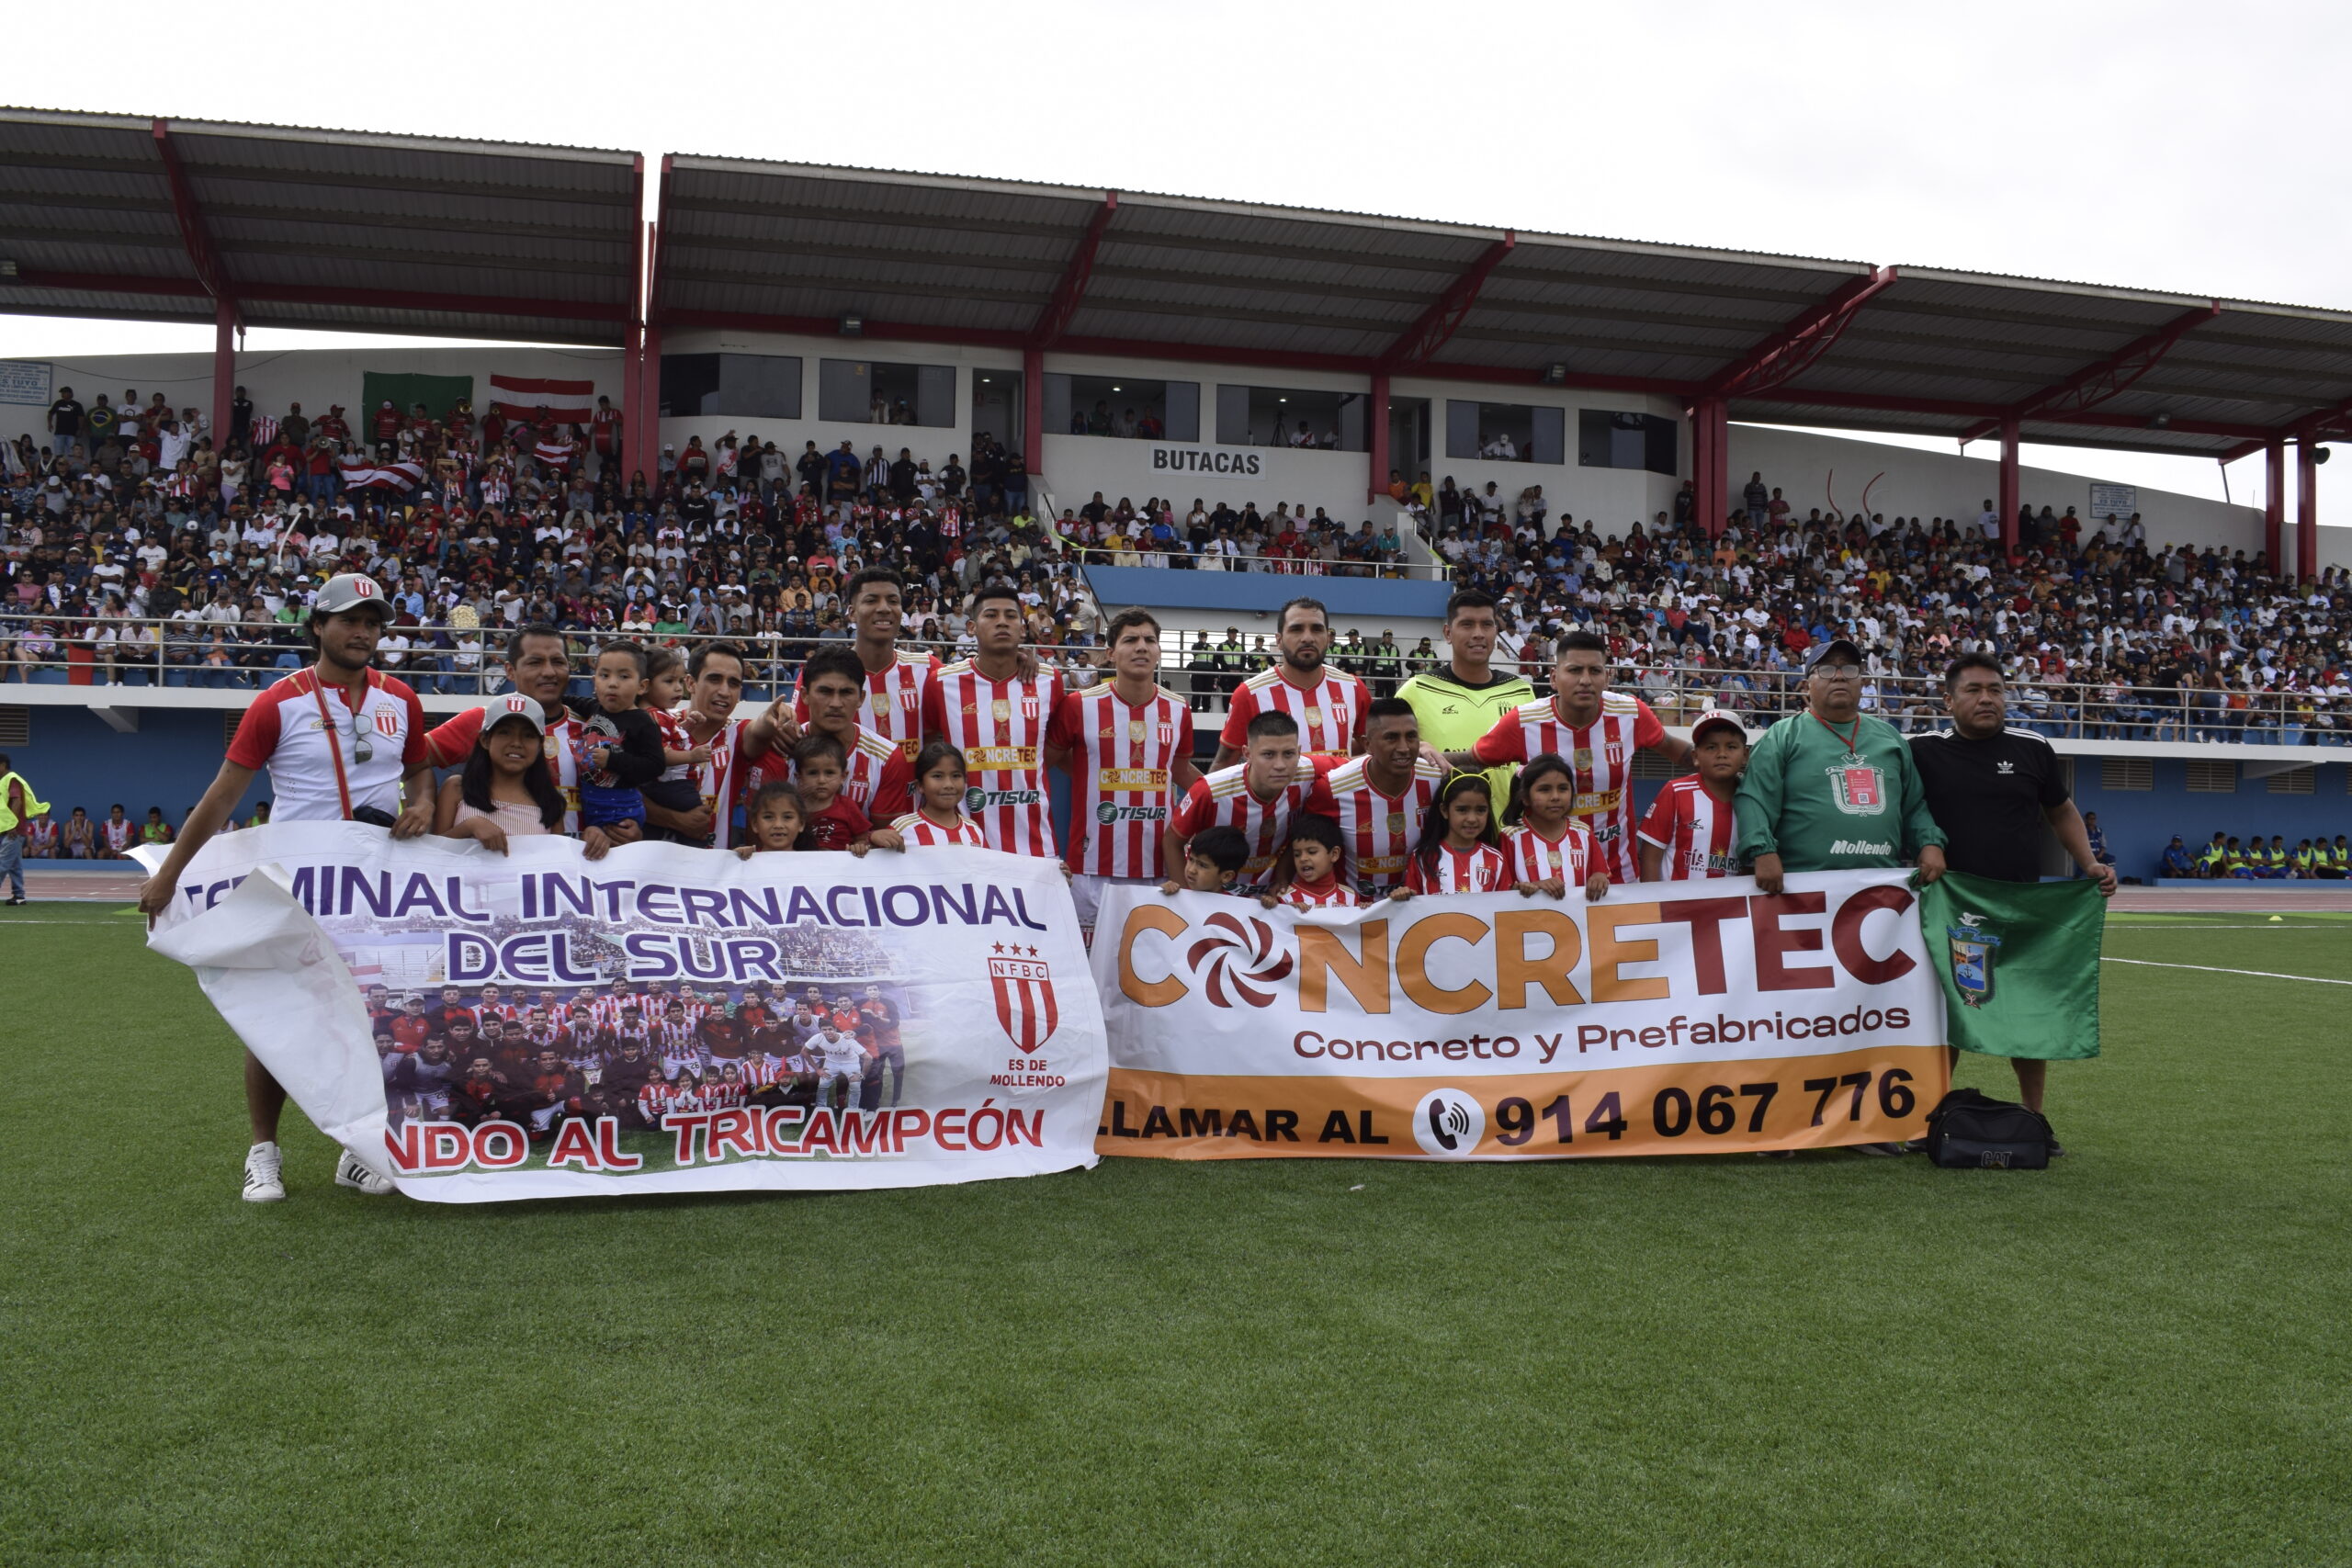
1025 1007
1973 951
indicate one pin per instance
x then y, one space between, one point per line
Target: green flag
2019 961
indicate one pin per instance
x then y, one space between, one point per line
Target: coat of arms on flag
1025 1007
1973 950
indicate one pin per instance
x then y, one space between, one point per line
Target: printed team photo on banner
661 1019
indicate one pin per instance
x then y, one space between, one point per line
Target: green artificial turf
2140 1356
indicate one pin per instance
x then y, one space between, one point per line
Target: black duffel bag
1969 1131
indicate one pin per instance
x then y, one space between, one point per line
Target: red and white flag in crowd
360 473
264 431
522 396
554 454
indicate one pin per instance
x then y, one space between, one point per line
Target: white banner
665 1019
1700 1017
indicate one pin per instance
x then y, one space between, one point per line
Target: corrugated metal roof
397 233
449 237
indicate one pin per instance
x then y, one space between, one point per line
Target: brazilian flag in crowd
2019 961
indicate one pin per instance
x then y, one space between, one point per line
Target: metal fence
248 655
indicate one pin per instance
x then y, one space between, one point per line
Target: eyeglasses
1836 673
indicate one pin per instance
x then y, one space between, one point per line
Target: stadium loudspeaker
1553 373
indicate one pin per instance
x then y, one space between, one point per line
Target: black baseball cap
1823 653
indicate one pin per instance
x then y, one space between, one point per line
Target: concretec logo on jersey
1448 1123
1238 960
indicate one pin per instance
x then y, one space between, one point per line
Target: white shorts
1086 892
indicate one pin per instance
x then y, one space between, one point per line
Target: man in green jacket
1830 788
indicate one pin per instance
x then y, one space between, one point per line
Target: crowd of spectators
2101 630
1222 538
477 523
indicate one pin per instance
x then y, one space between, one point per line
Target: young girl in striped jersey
775 820
1457 851
938 818
1307 875
1548 847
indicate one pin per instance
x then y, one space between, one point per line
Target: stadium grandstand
701 424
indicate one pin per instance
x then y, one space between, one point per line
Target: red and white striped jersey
878 771
119 836
1000 726
451 743
1122 769
285 731
1222 799
1478 869
1331 713
605 1011
893 701
1380 830
718 780
1570 857
922 832
1337 895
1694 830
1601 754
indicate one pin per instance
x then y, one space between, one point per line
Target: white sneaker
264 1182
349 1172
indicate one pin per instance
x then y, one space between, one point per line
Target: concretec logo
1238 960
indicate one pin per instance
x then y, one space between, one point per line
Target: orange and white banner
1671 1018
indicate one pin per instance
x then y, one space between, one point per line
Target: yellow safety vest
34 805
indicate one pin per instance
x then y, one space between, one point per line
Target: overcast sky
2156 146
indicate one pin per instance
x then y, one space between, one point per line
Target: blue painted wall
73 759
1116 586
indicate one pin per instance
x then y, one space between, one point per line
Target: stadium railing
120 653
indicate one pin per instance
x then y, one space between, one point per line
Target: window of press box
867 392
1287 417
1606 440
1125 407
750 386
1507 433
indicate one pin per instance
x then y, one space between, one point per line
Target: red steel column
2008 490
224 370
1377 464
1032 414
2274 506
2306 508
1709 454
648 401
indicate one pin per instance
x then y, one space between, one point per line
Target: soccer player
875 604
1596 731
714 687
842 1062
1126 745
338 739
1258 795
878 1028
1382 798
1327 704
1687 835
832 684
1462 699
998 717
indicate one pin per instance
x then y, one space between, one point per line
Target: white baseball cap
347 590
1718 719
513 705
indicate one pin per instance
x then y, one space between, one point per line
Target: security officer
18 806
